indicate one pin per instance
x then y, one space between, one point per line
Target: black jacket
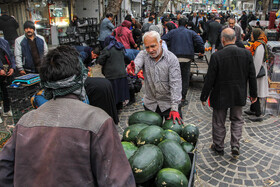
213 32
228 73
9 27
112 62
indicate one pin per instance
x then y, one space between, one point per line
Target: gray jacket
106 29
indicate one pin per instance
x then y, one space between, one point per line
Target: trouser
219 129
4 82
256 107
185 74
165 114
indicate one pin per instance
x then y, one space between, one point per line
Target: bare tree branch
163 7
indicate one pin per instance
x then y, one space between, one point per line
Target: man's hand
2 72
253 99
131 68
22 72
175 115
203 103
10 72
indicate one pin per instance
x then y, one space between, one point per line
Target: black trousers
185 74
4 82
256 107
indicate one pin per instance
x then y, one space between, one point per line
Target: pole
141 11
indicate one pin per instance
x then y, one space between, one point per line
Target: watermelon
169 177
131 132
146 162
146 117
150 135
129 149
190 133
188 147
169 134
168 124
175 157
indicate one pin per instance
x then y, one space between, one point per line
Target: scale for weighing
28 79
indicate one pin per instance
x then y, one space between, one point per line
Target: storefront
51 18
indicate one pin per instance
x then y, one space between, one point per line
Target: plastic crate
20 99
21 92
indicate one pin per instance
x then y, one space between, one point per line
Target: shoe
235 151
213 148
249 112
8 114
1 121
184 102
256 119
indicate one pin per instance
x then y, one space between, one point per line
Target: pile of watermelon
157 151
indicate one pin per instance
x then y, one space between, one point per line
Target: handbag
261 72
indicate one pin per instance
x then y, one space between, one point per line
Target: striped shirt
163 83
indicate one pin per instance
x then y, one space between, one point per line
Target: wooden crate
274 85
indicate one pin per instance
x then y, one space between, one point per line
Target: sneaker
235 151
8 114
249 112
213 148
256 119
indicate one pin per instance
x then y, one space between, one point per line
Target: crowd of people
158 53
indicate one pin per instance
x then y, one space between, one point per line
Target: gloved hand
130 69
140 75
175 115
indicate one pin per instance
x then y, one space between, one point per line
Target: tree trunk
113 7
153 9
163 7
265 6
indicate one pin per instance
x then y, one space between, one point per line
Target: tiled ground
259 162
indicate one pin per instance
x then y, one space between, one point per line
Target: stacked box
20 99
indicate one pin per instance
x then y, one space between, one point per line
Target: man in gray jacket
106 28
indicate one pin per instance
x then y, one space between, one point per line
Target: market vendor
163 83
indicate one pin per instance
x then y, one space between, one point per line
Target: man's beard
29 34
155 55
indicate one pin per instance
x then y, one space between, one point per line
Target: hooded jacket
124 35
9 27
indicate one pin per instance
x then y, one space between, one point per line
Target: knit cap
29 24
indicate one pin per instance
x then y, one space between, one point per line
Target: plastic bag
207 45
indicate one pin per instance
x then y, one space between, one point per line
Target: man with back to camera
61 145
106 28
9 25
162 77
182 41
29 50
226 82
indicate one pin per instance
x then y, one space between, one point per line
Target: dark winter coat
112 62
226 81
213 32
182 42
9 27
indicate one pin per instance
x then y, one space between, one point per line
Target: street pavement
259 162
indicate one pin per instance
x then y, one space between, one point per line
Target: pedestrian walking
8 25
226 82
106 28
214 29
260 54
182 41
